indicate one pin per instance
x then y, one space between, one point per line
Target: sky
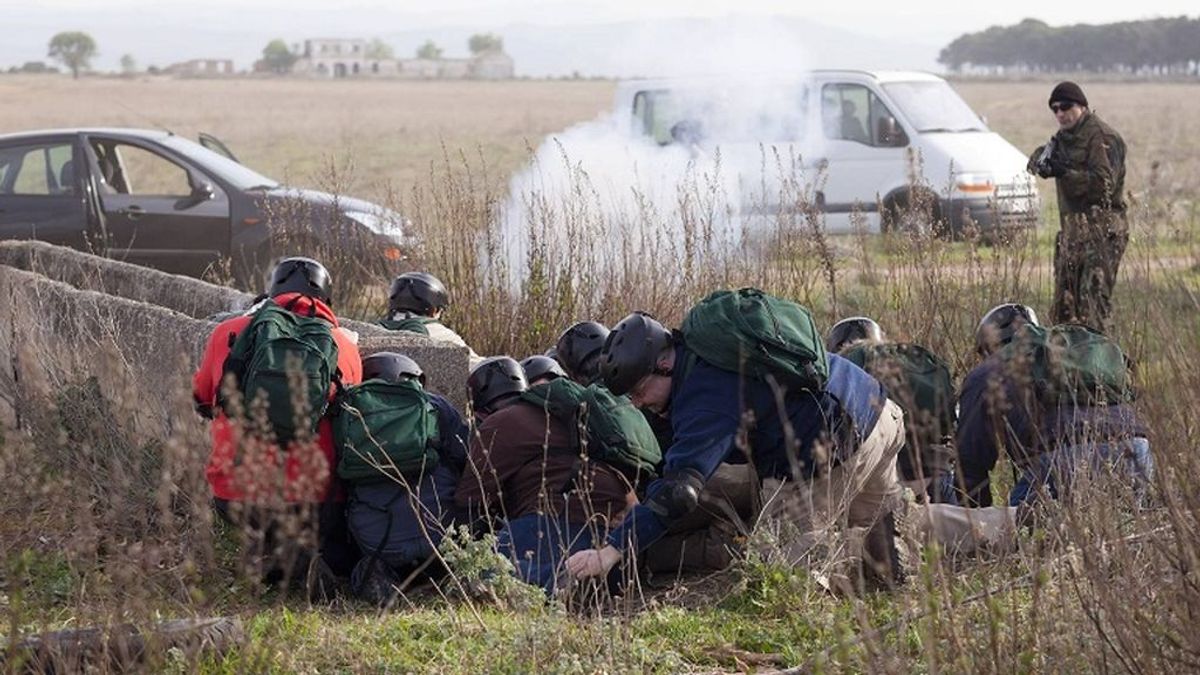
173 30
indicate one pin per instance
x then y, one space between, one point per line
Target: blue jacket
998 413
707 409
382 514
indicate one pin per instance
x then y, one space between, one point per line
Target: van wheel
902 214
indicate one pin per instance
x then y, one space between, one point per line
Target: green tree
485 42
278 57
128 64
74 49
379 50
429 50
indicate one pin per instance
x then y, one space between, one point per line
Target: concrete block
141 355
192 297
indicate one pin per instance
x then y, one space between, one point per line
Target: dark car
157 199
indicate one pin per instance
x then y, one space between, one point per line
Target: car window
747 112
37 170
134 170
852 112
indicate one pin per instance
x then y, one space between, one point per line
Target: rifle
1044 162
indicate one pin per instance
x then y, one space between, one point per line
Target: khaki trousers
852 494
961 530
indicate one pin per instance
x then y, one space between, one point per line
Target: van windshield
934 106
723 114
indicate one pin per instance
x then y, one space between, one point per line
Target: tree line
1149 47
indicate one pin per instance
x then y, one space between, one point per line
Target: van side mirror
890 133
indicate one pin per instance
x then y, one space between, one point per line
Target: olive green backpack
613 430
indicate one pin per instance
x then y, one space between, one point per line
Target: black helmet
538 367
493 378
1000 324
851 330
392 367
301 275
631 351
578 347
418 292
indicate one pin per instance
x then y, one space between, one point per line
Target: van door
865 153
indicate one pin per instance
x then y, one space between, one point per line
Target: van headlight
975 183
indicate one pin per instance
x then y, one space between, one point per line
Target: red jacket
252 474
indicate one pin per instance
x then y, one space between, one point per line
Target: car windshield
934 106
228 170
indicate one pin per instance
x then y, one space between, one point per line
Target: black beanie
1068 91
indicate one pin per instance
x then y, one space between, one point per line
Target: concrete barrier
140 355
69 313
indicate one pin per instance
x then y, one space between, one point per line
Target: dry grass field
1104 584
296 129
391 132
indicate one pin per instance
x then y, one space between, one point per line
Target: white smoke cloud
710 152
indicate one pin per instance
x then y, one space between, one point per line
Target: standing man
1086 157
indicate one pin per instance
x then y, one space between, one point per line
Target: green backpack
412 323
917 380
752 332
277 351
383 430
617 433
1070 363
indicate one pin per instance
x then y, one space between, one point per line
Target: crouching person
1056 401
921 384
821 433
416 302
558 461
401 451
265 381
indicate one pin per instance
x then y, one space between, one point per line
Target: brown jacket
518 463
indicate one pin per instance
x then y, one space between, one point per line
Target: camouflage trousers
1087 256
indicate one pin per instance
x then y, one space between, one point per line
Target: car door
864 153
158 210
41 194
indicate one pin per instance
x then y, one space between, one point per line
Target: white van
859 136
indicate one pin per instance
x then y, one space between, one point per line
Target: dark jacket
1089 163
516 466
720 416
384 516
999 412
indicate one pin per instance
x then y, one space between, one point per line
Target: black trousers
279 541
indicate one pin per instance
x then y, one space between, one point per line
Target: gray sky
170 30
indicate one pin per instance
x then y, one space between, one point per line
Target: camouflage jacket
1089 167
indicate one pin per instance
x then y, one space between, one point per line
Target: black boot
881 568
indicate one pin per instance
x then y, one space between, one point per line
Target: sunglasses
1061 107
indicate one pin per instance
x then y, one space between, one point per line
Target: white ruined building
336 58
